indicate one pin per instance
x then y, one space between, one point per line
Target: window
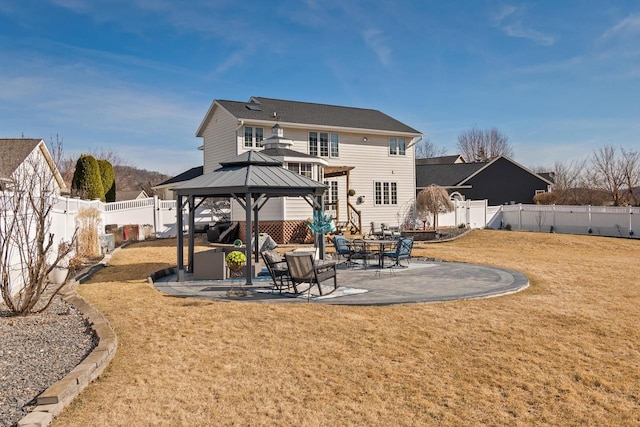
334 145
303 169
331 194
259 136
386 193
397 146
249 140
319 143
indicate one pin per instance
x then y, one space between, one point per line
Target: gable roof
487 164
442 160
307 113
184 176
13 152
458 174
445 175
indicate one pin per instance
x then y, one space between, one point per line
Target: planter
58 275
420 235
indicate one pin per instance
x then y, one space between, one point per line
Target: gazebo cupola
277 139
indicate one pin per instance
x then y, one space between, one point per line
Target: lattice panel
282 232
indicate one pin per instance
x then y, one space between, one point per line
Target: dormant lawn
566 351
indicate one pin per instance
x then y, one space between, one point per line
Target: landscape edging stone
52 401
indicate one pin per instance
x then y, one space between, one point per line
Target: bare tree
631 175
570 181
477 145
607 173
29 251
426 149
109 155
433 200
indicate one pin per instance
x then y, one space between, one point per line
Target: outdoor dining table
382 244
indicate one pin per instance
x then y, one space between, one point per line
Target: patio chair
402 251
277 268
303 269
361 250
376 230
342 249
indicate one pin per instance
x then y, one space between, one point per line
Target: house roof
130 195
13 152
254 172
307 113
458 174
286 152
442 160
184 176
445 175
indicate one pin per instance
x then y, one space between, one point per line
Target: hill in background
129 178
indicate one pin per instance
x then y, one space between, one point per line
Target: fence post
520 216
156 214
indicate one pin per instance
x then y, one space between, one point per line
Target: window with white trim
386 193
303 169
331 193
252 138
324 144
397 146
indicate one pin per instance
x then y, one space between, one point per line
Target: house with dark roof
365 157
165 188
500 181
26 153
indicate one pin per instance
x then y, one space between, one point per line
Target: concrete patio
423 281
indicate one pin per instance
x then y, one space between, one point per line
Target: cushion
272 257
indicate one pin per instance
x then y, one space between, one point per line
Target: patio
424 281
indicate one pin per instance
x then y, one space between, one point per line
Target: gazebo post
256 233
320 201
180 260
192 222
248 198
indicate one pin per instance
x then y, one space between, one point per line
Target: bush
87 182
107 176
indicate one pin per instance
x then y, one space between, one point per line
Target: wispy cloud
627 28
510 20
375 40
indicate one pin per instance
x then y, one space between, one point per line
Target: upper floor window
323 144
386 193
303 169
397 146
253 136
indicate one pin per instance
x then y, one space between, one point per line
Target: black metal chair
278 270
342 248
402 251
361 250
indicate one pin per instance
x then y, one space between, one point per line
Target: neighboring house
29 154
500 181
122 196
164 189
347 148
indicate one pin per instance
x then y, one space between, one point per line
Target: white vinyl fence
597 220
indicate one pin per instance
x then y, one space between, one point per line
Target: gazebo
251 179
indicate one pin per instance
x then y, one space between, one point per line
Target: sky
558 78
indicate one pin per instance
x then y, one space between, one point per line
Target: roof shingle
269 109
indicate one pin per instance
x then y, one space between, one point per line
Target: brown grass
563 352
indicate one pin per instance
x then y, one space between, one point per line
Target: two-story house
365 157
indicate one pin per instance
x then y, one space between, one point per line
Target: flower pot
58 275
